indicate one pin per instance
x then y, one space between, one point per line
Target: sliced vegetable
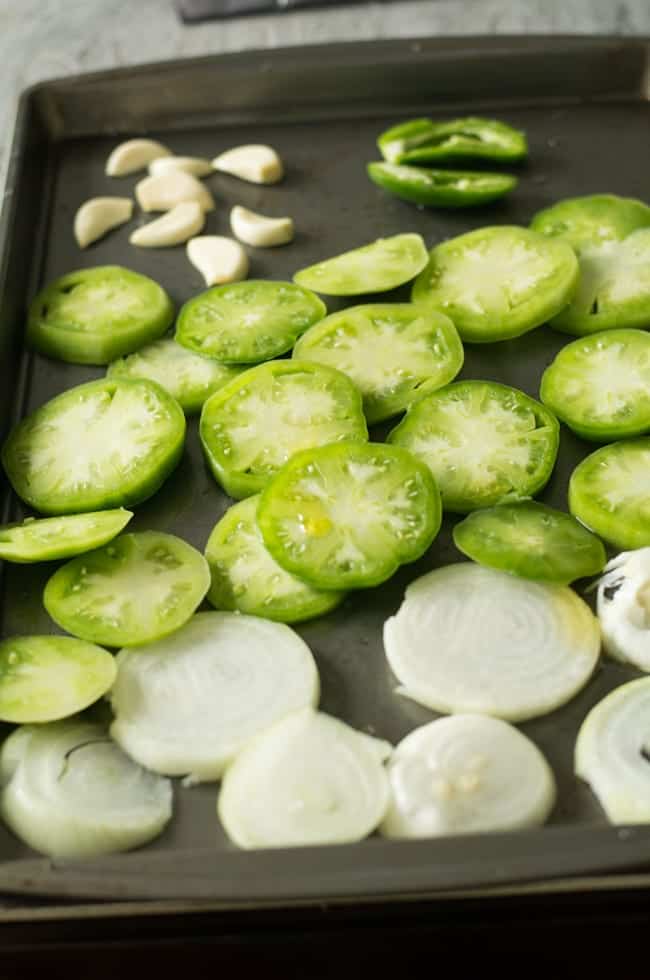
191 703
608 493
246 578
188 377
254 424
373 268
612 753
440 188
52 538
624 608
600 385
472 639
471 138
393 352
612 238
70 792
247 322
532 541
347 515
499 282
44 678
311 779
467 774
103 444
92 316
133 591
482 441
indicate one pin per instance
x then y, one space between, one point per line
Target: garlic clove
174 228
254 162
162 192
134 155
258 230
218 259
98 215
196 166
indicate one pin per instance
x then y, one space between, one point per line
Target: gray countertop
42 39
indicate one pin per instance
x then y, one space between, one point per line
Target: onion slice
613 749
624 608
188 704
70 792
467 774
310 779
473 639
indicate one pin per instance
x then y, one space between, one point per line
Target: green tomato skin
67 341
440 188
531 541
426 141
592 219
374 268
553 386
17 542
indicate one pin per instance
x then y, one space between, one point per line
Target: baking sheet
583 104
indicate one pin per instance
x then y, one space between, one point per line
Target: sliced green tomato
44 678
253 425
103 444
92 316
482 441
611 235
440 188
247 322
52 538
531 541
393 352
133 591
600 385
424 141
592 220
609 492
374 268
499 282
246 578
188 377
347 515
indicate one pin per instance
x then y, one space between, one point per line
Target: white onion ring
624 608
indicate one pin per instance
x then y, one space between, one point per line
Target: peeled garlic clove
99 215
218 259
134 155
255 162
196 166
174 228
258 230
162 192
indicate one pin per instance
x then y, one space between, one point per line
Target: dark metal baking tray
584 105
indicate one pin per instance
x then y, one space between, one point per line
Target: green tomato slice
611 236
108 443
133 591
247 579
393 352
373 268
51 538
426 141
346 516
253 425
600 385
440 188
532 541
188 377
609 492
92 316
482 441
499 282
45 678
247 322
